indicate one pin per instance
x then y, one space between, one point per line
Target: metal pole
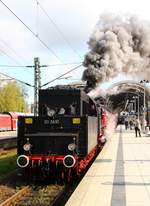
138 108
144 109
135 106
37 84
144 103
135 103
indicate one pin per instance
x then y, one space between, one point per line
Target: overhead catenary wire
11 49
13 66
62 75
2 79
34 34
45 83
31 66
11 58
57 28
37 18
12 78
54 65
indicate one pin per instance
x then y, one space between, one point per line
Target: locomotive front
63 139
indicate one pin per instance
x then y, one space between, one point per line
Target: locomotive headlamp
27 146
71 146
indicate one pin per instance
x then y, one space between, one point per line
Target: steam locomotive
64 138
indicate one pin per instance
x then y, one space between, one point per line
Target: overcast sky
75 20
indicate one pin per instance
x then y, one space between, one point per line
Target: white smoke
97 92
111 124
118 45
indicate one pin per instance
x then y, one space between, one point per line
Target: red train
8 120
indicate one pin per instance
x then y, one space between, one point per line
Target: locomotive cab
70 101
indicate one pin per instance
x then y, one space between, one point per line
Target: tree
12 98
2 101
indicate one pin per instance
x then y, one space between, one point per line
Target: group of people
71 109
129 124
134 124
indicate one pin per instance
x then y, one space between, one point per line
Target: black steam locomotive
64 138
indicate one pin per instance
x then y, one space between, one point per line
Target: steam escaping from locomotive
111 125
118 45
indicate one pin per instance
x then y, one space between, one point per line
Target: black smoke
118 45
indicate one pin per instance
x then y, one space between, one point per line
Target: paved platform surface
8 140
120 175
9 134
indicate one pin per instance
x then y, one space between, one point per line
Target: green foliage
7 163
12 98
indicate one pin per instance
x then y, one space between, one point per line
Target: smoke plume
118 45
111 124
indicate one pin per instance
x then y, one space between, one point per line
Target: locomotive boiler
64 138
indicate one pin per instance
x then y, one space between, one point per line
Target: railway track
15 197
35 195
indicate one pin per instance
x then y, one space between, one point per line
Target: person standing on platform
137 127
131 124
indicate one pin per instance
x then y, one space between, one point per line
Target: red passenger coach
14 120
5 122
8 121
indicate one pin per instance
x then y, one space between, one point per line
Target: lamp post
132 104
144 103
135 105
137 108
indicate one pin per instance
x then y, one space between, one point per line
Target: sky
63 25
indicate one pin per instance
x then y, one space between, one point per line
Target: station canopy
120 93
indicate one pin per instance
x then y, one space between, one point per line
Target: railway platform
120 175
8 134
8 140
